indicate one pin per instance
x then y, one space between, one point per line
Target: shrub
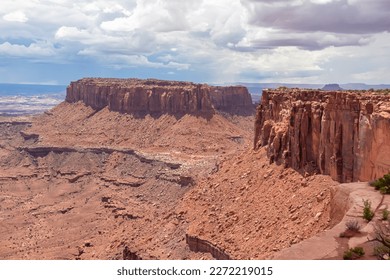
347 255
353 253
353 225
385 214
382 252
359 251
382 184
382 238
368 214
384 190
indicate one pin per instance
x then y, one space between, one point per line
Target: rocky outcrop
343 134
151 96
43 151
129 255
199 245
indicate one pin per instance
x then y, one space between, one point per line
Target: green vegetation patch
382 184
368 214
353 253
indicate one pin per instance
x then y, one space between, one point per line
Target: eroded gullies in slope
252 209
74 203
84 183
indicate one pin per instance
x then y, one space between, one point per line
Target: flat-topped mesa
343 134
152 96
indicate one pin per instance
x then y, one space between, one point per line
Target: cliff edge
136 96
343 134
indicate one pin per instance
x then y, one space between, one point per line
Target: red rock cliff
342 134
155 96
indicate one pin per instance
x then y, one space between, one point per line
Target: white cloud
322 1
17 16
153 15
122 61
217 39
34 50
70 32
373 76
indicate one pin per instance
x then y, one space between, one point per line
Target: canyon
150 169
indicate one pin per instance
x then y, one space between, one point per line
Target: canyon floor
77 183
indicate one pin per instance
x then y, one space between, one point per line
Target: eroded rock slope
91 180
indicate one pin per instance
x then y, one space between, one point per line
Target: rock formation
198 245
151 96
331 87
104 173
343 134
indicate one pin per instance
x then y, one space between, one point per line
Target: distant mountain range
256 89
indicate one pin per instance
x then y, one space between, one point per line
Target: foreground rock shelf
347 205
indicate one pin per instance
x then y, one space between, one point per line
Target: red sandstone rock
82 184
342 134
158 97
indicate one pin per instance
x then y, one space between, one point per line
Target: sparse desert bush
359 251
385 214
382 238
347 255
385 190
382 252
353 253
368 214
382 184
353 225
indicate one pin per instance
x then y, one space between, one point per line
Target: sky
214 41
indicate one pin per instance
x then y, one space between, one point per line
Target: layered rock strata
199 245
151 96
343 134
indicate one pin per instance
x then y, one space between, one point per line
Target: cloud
211 40
311 41
341 16
34 50
17 16
122 61
171 16
135 42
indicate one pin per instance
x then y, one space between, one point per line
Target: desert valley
151 169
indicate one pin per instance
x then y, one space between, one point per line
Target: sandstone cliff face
158 97
342 134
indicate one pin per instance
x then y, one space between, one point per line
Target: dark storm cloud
349 17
